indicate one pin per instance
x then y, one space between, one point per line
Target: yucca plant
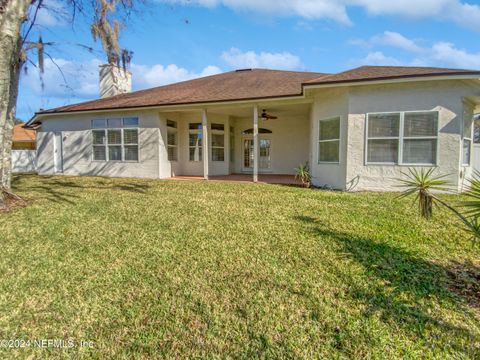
473 227
471 223
472 205
302 172
421 183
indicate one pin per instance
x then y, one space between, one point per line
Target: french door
264 158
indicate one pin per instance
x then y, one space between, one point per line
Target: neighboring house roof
21 134
251 84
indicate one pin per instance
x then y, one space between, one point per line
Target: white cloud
397 40
51 13
81 82
149 76
448 54
441 54
309 9
377 58
81 78
237 59
78 79
457 11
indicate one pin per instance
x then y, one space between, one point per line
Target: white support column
228 148
255 143
205 151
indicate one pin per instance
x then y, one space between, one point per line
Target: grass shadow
465 281
58 188
401 287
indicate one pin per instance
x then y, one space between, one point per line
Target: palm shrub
472 204
421 183
302 172
471 216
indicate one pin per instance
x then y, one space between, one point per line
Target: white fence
24 161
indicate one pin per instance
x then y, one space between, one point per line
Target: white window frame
330 140
172 130
470 139
401 138
122 144
197 132
217 132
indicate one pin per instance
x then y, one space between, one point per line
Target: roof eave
394 79
301 96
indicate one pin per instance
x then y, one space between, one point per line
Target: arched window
260 131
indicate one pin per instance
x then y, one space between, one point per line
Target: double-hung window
405 138
467 139
329 140
218 142
172 140
195 141
115 139
383 136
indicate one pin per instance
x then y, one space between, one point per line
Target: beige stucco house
359 129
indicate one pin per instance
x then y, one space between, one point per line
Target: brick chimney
114 80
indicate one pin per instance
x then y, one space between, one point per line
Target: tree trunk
12 15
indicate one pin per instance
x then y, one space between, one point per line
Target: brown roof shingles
234 85
370 73
250 84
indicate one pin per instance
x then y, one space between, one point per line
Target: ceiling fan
267 116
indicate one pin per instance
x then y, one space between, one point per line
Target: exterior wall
466 172
184 166
476 157
167 168
23 161
328 104
294 137
290 145
77 146
289 141
443 96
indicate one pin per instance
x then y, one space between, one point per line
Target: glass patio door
264 160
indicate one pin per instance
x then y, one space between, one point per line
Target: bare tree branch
32 22
59 69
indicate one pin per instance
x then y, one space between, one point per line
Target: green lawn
210 269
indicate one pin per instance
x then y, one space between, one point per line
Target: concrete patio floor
262 178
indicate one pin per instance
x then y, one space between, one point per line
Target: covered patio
260 143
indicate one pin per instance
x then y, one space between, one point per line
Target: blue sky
175 40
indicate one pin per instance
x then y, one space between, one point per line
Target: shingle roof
249 84
370 73
235 85
22 134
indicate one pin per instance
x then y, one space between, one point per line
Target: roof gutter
379 81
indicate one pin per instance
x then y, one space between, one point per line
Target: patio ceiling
302 109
